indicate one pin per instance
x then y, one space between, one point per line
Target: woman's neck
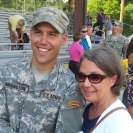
98 108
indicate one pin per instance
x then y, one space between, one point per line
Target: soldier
117 41
38 94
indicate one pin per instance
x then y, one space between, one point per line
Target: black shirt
88 124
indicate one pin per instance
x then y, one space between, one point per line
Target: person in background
117 41
100 19
75 50
90 36
100 79
129 85
107 26
130 52
83 31
85 38
98 35
16 25
65 10
88 20
38 94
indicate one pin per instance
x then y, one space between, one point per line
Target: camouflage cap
53 16
117 22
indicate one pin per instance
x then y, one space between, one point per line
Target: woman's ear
114 78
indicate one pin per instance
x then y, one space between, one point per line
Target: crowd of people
39 95
103 22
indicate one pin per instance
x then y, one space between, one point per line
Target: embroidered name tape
19 86
73 104
49 96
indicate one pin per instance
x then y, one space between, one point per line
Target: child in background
75 50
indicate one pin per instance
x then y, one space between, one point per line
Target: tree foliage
128 19
30 4
112 8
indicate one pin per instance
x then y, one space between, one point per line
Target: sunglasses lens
80 77
95 78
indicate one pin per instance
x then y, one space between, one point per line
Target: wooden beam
122 10
79 14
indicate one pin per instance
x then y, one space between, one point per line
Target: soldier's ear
64 39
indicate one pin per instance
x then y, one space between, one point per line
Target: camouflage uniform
50 106
119 44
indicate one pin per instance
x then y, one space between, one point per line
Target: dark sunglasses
93 78
84 31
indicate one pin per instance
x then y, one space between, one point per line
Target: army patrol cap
53 16
118 23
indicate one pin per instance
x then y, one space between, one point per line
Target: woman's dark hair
109 62
130 48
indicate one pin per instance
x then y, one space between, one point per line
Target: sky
65 0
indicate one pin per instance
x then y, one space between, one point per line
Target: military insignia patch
73 104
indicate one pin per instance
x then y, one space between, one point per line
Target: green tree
128 19
17 4
112 8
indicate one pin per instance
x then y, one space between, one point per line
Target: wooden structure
79 13
122 10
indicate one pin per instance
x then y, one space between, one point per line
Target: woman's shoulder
117 122
121 115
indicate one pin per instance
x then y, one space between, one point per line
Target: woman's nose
87 82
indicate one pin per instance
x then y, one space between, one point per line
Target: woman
129 87
100 79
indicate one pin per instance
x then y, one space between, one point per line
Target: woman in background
129 85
